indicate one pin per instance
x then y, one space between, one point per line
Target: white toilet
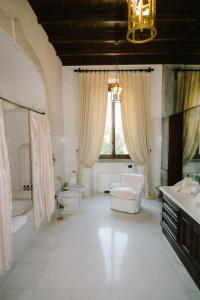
70 201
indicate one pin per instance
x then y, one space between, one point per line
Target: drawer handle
169 220
170 203
170 210
164 224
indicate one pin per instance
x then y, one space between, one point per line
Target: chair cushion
115 185
124 192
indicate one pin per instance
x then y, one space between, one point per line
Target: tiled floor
99 254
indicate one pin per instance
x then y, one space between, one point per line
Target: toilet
70 201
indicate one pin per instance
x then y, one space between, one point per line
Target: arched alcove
20 79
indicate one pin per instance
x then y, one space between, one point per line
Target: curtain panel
187 90
5 201
191 133
187 100
92 106
42 168
135 111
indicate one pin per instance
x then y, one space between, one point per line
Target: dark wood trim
79 70
183 233
118 156
175 152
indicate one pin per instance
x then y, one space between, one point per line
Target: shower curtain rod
22 106
79 70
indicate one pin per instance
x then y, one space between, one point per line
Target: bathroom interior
32 76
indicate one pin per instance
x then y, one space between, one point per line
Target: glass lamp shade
116 92
141 21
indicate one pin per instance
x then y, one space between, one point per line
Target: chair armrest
115 184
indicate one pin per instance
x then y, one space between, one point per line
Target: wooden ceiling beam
65 17
67 42
133 53
111 60
112 35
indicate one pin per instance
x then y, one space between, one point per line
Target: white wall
70 121
49 67
17 134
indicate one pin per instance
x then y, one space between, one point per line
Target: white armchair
126 195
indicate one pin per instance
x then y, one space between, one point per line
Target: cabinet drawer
171 204
167 228
170 211
170 221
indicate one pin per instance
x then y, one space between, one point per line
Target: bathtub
22 227
22 204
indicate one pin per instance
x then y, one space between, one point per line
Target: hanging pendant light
116 89
141 21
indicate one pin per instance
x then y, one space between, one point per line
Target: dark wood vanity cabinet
183 233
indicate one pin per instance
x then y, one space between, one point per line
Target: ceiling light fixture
141 21
116 89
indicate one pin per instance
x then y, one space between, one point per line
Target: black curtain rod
22 106
79 70
186 70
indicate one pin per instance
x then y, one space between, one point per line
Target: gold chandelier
116 92
141 21
116 89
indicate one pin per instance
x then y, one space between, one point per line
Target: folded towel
186 186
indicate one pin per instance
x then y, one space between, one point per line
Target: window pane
120 146
107 141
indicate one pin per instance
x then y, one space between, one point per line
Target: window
113 144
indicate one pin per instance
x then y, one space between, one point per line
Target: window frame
113 155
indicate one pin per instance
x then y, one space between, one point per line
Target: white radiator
105 179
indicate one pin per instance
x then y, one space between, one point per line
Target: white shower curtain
5 201
42 168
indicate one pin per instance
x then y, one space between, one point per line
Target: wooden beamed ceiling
93 32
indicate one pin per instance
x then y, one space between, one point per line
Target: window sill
117 160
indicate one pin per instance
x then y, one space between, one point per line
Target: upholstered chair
126 195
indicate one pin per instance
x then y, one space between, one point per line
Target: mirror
180 89
191 143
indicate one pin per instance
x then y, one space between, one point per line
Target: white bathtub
22 204
20 207
22 226
19 195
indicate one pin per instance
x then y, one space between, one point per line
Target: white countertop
185 201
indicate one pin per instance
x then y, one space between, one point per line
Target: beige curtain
188 90
135 110
42 168
188 98
191 133
92 105
5 201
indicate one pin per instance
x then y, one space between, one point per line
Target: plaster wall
49 66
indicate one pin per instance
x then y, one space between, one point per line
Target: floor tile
149 295
64 276
194 295
15 294
71 295
38 254
24 276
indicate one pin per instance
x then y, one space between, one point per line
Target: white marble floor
99 254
